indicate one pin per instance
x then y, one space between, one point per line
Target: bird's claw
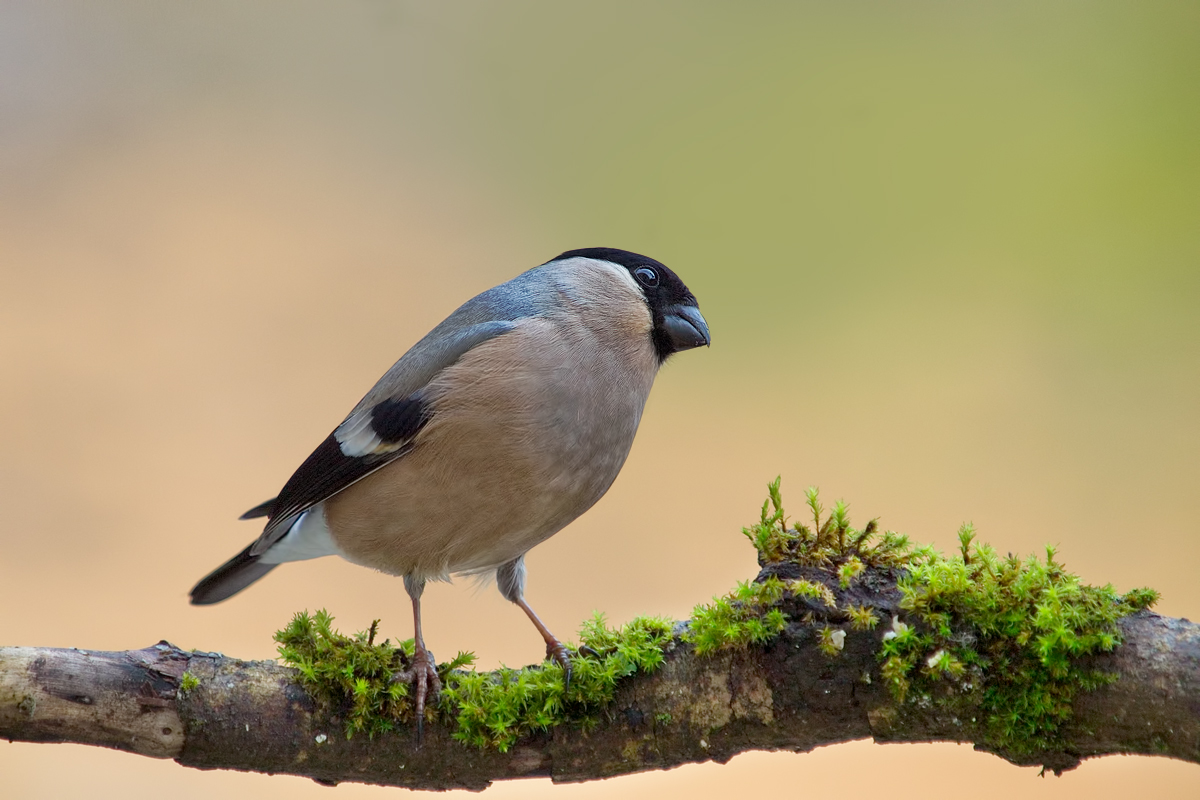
559 653
422 674
555 651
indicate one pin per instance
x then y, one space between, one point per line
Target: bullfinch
496 430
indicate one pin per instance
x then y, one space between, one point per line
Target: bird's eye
646 277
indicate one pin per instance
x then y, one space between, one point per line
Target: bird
501 426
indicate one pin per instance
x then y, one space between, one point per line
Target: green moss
1020 628
187 682
850 569
830 641
349 675
812 590
352 676
750 615
1138 599
1014 631
862 618
495 709
830 542
747 615
1004 634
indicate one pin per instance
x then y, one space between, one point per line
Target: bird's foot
422 674
559 653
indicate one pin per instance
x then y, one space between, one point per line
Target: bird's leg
510 579
555 650
422 671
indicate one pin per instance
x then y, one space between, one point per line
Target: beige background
950 256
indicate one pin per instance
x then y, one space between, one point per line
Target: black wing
328 470
396 416
263 509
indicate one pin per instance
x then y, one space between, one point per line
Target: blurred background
950 255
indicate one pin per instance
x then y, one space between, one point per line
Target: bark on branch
251 716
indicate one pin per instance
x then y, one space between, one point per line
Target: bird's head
677 322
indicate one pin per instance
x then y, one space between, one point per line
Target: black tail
230 578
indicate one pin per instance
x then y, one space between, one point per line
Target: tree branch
787 695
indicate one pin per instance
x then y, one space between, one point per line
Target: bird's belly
486 481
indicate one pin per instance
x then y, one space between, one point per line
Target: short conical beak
685 327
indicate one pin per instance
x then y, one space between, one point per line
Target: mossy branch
214 712
844 634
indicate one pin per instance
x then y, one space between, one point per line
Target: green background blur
949 252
